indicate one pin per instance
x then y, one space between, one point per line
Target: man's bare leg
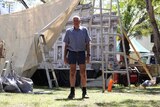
83 75
72 75
72 81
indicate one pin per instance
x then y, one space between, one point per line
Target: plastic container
110 85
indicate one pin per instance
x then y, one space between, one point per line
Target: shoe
71 96
85 96
84 93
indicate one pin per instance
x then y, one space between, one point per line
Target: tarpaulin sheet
18 31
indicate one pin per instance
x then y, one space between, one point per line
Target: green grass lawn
57 97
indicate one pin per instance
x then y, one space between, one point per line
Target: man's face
76 22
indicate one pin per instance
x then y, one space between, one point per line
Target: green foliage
156 2
131 17
139 3
143 28
135 17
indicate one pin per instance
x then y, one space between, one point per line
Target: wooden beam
24 3
144 65
43 1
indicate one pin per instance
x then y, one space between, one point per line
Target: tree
156 47
143 22
134 18
133 21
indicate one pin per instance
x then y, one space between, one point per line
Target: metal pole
124 50
102 54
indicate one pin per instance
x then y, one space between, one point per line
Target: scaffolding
109 63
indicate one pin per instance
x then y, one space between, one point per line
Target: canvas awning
18 30
138 46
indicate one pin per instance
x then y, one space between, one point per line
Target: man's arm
87 42
65 53
88 48
88 52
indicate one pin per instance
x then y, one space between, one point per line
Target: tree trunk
156 47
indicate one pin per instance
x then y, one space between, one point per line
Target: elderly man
77 51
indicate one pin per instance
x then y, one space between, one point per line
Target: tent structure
138 46
20 32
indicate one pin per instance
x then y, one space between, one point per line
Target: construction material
110 53
140 62
110 84
46 63
109 62
11 82
20 29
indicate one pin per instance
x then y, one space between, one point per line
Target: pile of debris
11 82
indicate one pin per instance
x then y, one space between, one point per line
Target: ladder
46 63
109 52
8 67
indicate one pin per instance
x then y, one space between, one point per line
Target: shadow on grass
120 89
131 103
95 89
49 91
149 90
66 99
53 89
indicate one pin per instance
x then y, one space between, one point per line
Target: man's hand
65 60
88 59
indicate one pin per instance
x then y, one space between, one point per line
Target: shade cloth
20 32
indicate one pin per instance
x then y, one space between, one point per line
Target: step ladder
47 63
109 52
8 67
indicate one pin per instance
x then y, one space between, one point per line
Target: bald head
76 17
76 21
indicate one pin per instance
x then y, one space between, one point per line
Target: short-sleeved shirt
76 39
